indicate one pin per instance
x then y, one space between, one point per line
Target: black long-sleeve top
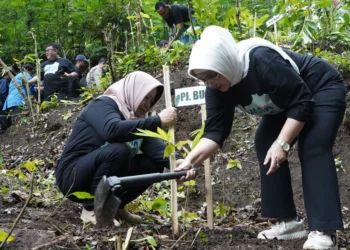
270 76
101 122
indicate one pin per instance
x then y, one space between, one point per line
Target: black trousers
319 176
113 159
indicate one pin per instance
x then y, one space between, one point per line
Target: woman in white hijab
300 98
102 142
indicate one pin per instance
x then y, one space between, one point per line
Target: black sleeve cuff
302 112
215 136
154 122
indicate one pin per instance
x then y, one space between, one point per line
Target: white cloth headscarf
217 51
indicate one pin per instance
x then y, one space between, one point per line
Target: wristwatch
285 145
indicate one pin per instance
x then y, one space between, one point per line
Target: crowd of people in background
60 79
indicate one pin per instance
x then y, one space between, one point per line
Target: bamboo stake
275 29
190 17
238 12
155 41
131 31
172 156
47 244
208 187
254 24
37 64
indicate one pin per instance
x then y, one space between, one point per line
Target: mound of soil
44 226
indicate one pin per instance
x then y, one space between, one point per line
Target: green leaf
190 183
144 15
162 133
198 137
220 210
30 166
3 235
180 144
82 195
1 158
148 133
160 205
21 175
149 240
323 3
234 163
170 134
131 17
4 190
67 115
203 237
147 204
189 216
168 150
346 18
261 20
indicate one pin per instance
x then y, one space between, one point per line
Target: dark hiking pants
319 176
111 160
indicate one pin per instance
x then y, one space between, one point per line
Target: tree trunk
238 12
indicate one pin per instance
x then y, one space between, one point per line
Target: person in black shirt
81 64
175 15
4 86
55 72
299 97
102 142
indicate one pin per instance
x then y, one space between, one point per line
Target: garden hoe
109 189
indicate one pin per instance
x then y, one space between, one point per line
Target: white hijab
217 51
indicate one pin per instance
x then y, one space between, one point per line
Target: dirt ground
44 226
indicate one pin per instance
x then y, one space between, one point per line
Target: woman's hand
182 165
276 155
168 116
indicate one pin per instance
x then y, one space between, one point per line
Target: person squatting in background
14 101
74 86
177 17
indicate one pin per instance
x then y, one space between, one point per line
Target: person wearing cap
4 86
14 100
56 72
96 73
300 98
176 16
81 64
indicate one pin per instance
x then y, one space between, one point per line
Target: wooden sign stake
172 158
208 187
276 35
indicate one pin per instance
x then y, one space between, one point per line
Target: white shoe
127 216
89 217
285 230
325 240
